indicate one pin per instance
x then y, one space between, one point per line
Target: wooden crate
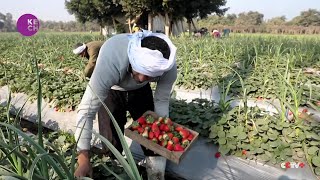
174 156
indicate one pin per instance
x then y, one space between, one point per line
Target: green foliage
202 63
95 10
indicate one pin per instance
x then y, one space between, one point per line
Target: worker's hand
151 113
84 168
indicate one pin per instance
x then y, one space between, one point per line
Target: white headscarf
146 61
79 49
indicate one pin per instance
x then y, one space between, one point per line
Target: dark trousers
119 102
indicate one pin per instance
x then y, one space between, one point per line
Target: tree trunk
194 26
167 24
150 22
114 25
100 30
189 27
129 24
182 28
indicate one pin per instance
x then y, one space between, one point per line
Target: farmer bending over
126 65
90 51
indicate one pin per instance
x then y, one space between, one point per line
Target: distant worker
216 34
90 51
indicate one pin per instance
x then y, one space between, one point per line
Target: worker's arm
163 91
105 75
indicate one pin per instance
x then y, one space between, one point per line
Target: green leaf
313 150
221 134
264 146
259 150
264 128
223 149
242 135
233 131
314 143
316 161
264 157
295 145
312 135
272 136
317 171
274 143
300 154
213 134
222 141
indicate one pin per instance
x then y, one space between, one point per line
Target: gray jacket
111 72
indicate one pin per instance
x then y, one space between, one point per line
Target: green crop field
243 66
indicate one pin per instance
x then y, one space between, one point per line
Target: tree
307 18
202 8
95 10
133 9
250 18
2 18
6 23
277 21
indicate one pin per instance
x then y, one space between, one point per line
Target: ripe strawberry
178 128
166 128
135 125
170 142
170 135
161 127
156 134
185 143
145 133
217 155
244 152
184 133
142 120
170 147
190 137
305 110
178 147
175 140
151 135
140 130
168 121
154 127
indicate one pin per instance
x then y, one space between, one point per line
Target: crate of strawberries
162 135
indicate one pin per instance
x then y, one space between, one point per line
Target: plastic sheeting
199 163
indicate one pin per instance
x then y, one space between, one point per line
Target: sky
55 9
